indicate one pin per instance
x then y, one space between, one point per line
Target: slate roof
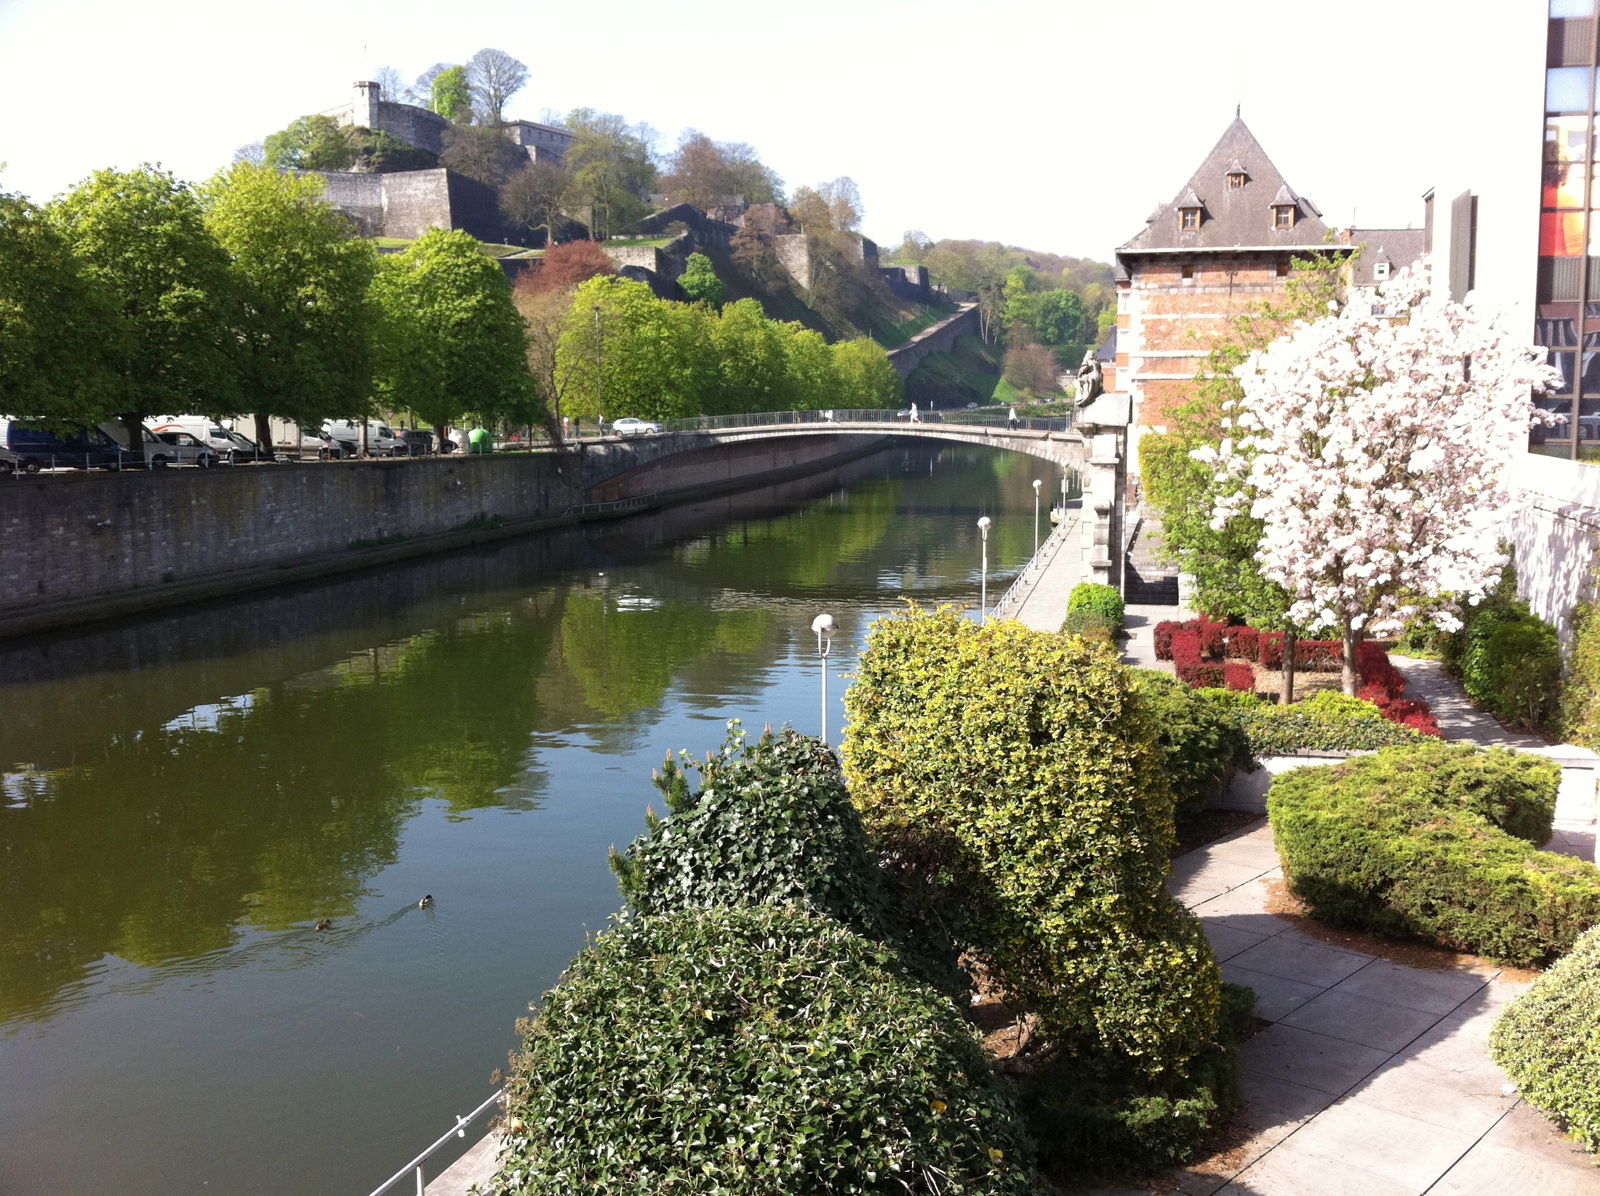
1232 217
1400 247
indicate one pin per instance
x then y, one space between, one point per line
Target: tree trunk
133 426
264 434
1351 674
1291 648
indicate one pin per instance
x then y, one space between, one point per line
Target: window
1188 272
1236 179
1380 270
1189 219
1283 269
1283 215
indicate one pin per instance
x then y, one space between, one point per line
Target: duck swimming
425 902
323 924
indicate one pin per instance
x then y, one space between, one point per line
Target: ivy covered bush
757 1049
1548 1040
1104 600
1436 840
1024 774
1202 740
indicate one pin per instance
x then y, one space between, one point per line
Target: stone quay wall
941 338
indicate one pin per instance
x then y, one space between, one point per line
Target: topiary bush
756 1049
1091 625
1436 840
1328 721
1548 1040
1023 772
1201 740
1102 599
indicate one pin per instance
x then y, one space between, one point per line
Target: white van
204 429
381 439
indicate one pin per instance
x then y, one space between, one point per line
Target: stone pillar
1104 426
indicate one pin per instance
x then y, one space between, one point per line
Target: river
184 797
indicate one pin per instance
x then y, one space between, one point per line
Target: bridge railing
898 417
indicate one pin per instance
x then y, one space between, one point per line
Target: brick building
1224 241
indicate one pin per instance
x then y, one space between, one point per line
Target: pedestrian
914 417
566 427
1011 418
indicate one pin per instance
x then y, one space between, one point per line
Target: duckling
323 924
425 902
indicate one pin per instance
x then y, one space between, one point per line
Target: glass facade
1568 309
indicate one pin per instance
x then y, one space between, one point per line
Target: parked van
381 440
158 454
204 429
32 447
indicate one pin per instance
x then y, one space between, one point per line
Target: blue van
32 448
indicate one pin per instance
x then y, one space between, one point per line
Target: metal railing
414 1167
616 506
899 417
1036 565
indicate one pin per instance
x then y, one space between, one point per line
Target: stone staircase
1148 582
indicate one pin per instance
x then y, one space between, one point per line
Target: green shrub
762 1049
1580 696
1424 840
1325 722
1548 1040
1103 599
1091 625
1202 739
1511 665
1021 773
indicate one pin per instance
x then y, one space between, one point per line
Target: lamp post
824 626
1063 494
1036 484
984 524
599 375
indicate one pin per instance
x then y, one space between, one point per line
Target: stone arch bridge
708 453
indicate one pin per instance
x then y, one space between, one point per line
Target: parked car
158 454
345 439
204 429
418 441
190 450
381 440
244 449
629 426
35 447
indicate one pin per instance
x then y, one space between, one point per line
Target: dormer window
1236 180
1380 270
1283 215
1189 219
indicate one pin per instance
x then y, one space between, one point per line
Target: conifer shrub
1548 1041
1102 599
1090 624
757 1049
1202 740
1436 840
1328 721
1023 771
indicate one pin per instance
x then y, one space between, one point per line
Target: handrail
456 1131
617 505
1036 564
984 417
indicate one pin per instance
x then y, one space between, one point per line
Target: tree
563 267
141 239
1029 366
544 314
450 339
844 203
309 143
700 282
1372 444
494 77
420 93
302 278
531 198
751 362
390 85
638 355
482 153
58 328
702 172
611 167
866 377
254 151
450 95
914 245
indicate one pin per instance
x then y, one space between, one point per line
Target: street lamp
1036 484
824 626
599 375
984 524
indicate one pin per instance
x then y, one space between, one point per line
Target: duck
323 924
425 902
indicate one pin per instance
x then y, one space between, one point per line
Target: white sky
1031 122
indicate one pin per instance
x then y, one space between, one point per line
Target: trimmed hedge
1511 664
1023 775
1548 1040
1202 741
1327 721
763 1049
1091 625
1102 599
1425 841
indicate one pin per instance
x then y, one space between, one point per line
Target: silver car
628 426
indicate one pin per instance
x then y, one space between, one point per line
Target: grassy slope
969 373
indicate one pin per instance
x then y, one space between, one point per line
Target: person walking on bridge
1011 418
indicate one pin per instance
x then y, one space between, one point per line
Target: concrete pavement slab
1298 956
1228 941
1396 1146
1276 996
1279 1174
1443 1098
1496 1171
1244 907
1433 992
1255 849
1361 1019
1194 885
1333 1065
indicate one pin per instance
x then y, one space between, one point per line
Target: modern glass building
1568 298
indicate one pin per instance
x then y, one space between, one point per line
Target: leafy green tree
310 143
700 282
866 377
637 355
813 370
750 357
450 95
302 277
450 340
58 329
140 237
612 170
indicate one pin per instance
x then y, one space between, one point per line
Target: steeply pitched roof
1399 247
1234 217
